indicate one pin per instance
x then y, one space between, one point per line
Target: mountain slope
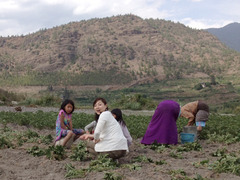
229 34
115 50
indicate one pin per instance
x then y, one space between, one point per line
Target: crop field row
219 129
220 125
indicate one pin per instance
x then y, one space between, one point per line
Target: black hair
119 117
94 102
65 102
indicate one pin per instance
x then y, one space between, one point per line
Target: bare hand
84 137
199 128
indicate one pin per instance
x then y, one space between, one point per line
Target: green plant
30 134
48 100
74 173
21 139
56 153
161 162
226 139
46 139
5 128
198 86
7 97
159 147
5 143
36 151
176 155
80 153
201 163
142 159
227 163
112 176
195 146
178 174
134 166
219 152
135 102
199 177
103 163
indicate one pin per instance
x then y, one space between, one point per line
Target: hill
229 34
116 50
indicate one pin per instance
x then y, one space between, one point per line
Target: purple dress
163 128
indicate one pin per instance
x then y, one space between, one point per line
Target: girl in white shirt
117 114
108 137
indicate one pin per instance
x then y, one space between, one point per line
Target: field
27 152
222 95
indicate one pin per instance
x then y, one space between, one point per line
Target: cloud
23 16
143 8
88 7
5 6
229 9
204 23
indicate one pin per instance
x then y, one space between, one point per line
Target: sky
22 17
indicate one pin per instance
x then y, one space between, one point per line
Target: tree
66 94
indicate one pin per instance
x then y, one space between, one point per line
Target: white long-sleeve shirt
126 134
110 134
92 126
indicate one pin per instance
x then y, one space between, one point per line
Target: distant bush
46 100
135 102
198 86
237 110
7 97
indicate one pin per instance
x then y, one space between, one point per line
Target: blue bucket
187 137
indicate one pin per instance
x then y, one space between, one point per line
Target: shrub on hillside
7 97
46 100
135 102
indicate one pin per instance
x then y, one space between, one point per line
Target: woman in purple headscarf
163 128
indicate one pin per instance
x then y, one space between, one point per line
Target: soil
17 164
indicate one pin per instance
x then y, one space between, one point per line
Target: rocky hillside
114 50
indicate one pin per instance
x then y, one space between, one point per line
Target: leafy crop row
224 129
